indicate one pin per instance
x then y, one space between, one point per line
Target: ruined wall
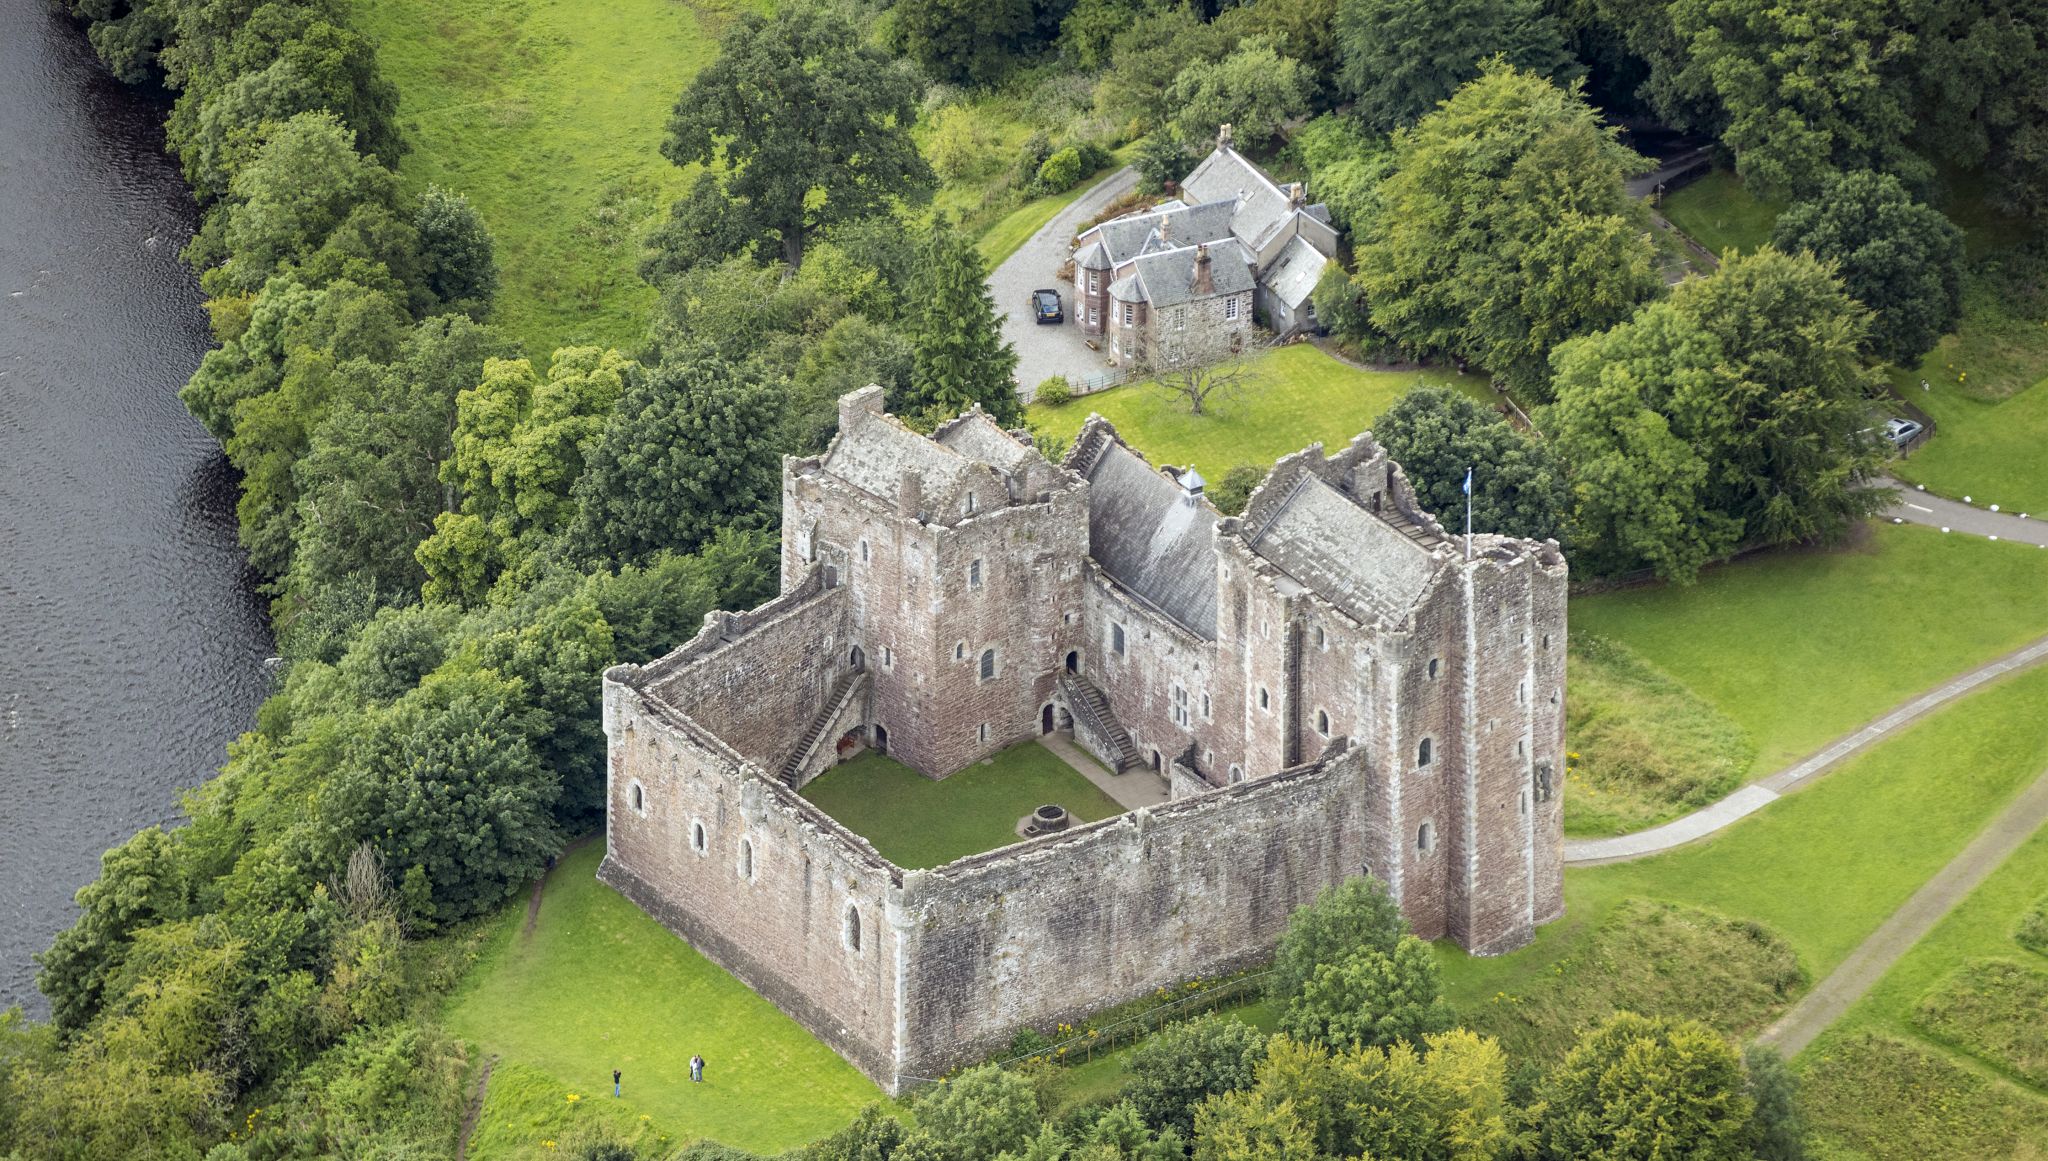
1066 925
764 890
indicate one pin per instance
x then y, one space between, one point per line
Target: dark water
131 648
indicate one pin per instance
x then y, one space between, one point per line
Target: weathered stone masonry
1328 683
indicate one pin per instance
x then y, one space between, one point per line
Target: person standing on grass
697 1069
615 1084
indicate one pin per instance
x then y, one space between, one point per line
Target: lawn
1800 647
1819 869
1294 396
548 115
916 822
1016 228
598 985
1718 213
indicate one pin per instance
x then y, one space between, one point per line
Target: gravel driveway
1051 350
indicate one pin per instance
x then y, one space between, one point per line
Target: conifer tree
961 356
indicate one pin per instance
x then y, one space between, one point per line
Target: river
131 644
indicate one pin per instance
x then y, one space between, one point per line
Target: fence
1101 381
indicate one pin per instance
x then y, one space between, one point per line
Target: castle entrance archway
1073 661
857 659
881 739
1045 719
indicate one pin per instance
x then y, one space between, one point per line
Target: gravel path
1044 351
1757 795
1874 956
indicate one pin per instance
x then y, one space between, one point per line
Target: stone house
1186 281
1329 685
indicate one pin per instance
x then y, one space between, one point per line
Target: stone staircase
849 686
1090 707
1407 526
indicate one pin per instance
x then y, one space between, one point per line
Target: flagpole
1468 515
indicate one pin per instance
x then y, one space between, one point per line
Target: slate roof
1350 557
978 437
1153 538
1126 238
1261 206
1094 257
1294 274
876 453
1169 279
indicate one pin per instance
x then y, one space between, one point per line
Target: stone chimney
856 406
1223 136
1297 194
1205 283
910 494
1165 230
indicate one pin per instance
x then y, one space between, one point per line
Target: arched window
852 927
639 799
698 842
1236 773
747 859
1265 702
1323 723
988 664
863 552
1423 752
959 650
1425 837
974 573
1434 667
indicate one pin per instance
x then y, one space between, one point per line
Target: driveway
1975 519
1044 351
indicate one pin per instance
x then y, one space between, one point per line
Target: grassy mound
597 985
1997 1011
1642 747
916 822
1654 958
1879 1097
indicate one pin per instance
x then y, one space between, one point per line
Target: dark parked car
1045 306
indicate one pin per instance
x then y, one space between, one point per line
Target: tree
458 266
804 123
1234 489
1352 915
140 882
1504 229
1164 159
1777 1130
1901 259
965 42
1148 54
1196 382
961 357
1981 100
1402 58
1304 30
1370 998
1437 435
1254 90
690 449
1089 31
1731 412
1441 1098
979 1113
1655 1090
1241 1126
1806 89
1180 1065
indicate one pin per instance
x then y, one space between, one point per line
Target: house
1187 280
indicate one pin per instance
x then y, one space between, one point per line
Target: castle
1329 684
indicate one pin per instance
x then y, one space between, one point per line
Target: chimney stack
1297 194
1223 136
856 406
1165 230
1204 282
910 495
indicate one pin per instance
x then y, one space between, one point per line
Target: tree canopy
961 356
1437 435
1896 256
1402 58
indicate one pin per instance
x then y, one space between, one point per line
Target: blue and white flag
1468 481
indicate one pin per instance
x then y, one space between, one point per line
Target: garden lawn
916 822
1800 647
549 115
1718 212
1820 868
598 985
1295 396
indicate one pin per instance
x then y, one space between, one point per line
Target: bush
2032 933
1186 1063
1235 488
979 1113
1060 172
1054 391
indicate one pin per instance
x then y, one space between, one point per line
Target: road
1975 519
1043 351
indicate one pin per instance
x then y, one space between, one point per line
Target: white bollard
1994 507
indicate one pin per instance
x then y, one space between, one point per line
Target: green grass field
917 822
1800 647
1295 395
1718 213
548 115
599 985
1820 869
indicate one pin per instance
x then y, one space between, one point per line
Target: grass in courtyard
1819 869
548 115
1642 748
1800 647
1718 212
599 985
917 822
1296 395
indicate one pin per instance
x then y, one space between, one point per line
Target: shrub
980 1113
1060 171
2032 933
1054 391
1230 493
1185 1063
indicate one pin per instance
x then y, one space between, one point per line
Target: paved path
1974 519
1131 791
1757 795
1043 351
1874 956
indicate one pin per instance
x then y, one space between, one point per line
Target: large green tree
1897 256
1183 1064
1401 58
967 42
1437 435
804 124
1371 998
1734 411
1982 81
458 264
1637 1089
1254 90
961 356
1504 228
